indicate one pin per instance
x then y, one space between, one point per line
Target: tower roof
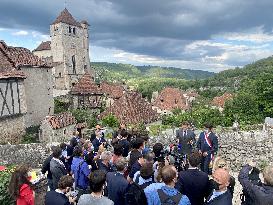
86 86
66 17
44 46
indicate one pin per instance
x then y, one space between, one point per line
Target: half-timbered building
38 83
12 100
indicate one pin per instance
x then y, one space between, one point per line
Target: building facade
68 50
57 128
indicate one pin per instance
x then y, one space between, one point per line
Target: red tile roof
21 56
112 90
220 101
7 66
61 120
44 46
170 98
131 108
66 17
86 85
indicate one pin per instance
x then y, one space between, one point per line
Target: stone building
57 128
169 99
131 108
37 85
68 50
219 101
87 94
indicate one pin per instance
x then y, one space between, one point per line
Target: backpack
135 194
168 200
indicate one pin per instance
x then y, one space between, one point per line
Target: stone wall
33 154
12 129
39 94
240 147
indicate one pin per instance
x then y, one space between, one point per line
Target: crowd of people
127 171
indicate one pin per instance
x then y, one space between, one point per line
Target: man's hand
200 152
205 154
72 200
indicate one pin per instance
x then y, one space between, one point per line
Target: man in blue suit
192 182
207 145
186 139
117 185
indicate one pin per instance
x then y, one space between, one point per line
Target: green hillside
125 72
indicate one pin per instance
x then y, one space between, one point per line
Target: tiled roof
131 108
170 98
220 101
112 90
44 46
61 120
66 17
7 66
86 86
21 56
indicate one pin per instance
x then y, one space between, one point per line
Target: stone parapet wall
238 148
33 154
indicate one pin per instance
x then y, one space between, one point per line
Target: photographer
259 194
58 197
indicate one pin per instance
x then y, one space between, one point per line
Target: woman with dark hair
20 187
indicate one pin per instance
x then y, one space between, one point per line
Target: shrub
85 115
5 198
110 121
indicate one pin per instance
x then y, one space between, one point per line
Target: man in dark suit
207 145
193 183
116 183
186 138
57 167
58 196
220 194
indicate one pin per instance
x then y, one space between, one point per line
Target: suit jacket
194 184
116 187
204 147
46 167
58 170
224 199
55 198
184 139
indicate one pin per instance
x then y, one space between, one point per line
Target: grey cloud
155 27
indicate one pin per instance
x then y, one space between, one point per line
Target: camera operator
58 197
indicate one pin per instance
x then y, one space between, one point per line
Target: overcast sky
211 35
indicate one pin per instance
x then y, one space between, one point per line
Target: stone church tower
68 50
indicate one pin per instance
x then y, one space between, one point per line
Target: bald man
220 194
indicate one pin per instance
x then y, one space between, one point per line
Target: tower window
60 75
69 29
74 31
74 64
